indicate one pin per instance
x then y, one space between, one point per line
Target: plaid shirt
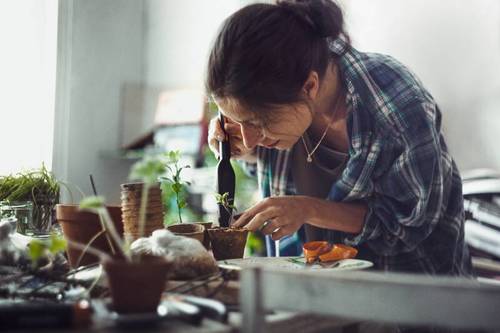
398 164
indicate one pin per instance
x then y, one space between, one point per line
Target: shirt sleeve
406 202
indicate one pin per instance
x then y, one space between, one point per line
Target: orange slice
338 252
312 250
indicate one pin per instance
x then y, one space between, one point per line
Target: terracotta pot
191 230
81 226
136 287
206 237
228 243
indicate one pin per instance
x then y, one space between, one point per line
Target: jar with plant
38 189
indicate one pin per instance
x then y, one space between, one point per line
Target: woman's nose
251 136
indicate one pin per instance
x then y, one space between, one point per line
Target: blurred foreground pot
81 226
228 243
136 287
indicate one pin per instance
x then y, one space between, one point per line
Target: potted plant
136 282
39 187
227 243
173 179
83 227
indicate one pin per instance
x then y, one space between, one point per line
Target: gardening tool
225 178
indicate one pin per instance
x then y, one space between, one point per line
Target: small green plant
225 201
173 177
38 249
38 186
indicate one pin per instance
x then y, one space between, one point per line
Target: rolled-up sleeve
405 204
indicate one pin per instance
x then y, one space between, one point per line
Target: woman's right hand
233 130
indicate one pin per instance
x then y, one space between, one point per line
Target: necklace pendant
309 159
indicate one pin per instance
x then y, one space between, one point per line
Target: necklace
310 154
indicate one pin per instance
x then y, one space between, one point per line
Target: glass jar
22 211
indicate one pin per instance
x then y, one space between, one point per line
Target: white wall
100 48
106 44
454 47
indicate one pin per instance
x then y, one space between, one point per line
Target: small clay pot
206 237
81 226
136 287
191 230
228 243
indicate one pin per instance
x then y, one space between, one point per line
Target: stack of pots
131 194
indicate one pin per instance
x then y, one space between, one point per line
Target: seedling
173 177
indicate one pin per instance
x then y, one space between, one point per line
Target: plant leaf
92 202
36 248
57 244
148 170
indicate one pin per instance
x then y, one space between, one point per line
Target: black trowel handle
225 177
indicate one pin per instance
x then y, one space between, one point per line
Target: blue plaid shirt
398 164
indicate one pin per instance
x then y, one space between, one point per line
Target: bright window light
28 35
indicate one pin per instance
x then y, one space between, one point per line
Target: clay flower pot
191 230
136 287
206 237
81 226
228 243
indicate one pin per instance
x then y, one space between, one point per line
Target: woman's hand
233 130
281 216
277 216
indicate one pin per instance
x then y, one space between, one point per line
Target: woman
346 144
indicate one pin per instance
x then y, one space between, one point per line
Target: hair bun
324 17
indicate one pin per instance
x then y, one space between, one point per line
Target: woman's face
285 126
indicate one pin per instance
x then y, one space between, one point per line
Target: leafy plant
173 177
225 201
38 248
39 186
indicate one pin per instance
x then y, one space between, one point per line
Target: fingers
282 232
232 130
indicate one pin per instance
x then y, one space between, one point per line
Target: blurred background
88 85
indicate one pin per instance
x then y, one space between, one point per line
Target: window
28 31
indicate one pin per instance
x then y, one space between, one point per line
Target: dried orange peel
312 250
325 251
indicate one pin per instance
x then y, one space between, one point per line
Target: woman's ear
311 86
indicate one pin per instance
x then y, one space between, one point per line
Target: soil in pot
228 243
191 230
81 226
136 287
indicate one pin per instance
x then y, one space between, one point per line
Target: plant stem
106 219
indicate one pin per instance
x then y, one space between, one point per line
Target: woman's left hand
277 216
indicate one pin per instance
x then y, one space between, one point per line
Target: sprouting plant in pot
227 243
41 188
226 202
45 254
177 185
136 281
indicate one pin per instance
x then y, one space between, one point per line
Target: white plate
295 263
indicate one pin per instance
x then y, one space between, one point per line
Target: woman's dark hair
264 53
